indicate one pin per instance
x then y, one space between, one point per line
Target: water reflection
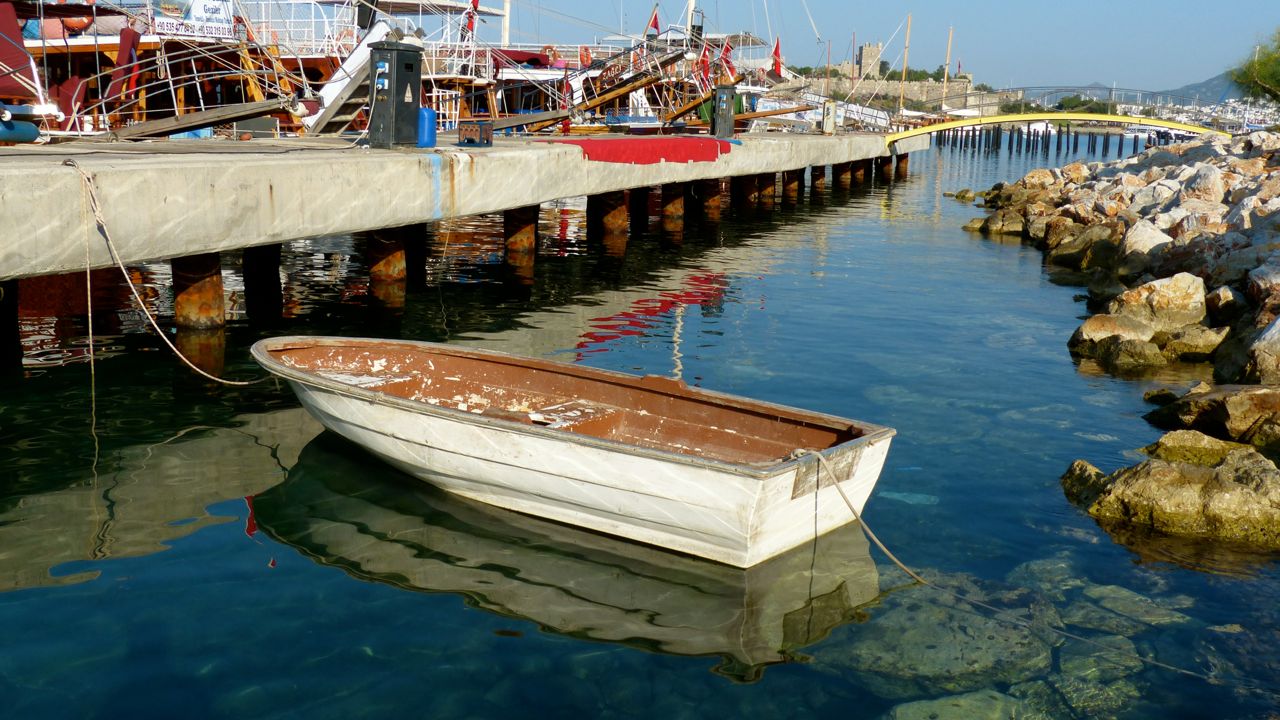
387 528
145 497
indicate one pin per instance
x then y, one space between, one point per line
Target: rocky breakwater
1180 249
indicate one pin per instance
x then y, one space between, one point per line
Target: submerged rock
933 642
979 705
1101 659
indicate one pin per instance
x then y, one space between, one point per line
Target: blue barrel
426 128
17 131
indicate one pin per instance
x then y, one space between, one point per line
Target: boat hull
731 514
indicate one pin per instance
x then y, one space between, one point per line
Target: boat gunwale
260 351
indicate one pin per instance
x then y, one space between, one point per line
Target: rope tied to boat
1002 614
101 222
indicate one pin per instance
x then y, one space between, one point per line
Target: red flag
777 56
726 59
704 64
653 22
471 17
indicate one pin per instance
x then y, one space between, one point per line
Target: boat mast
906 51
942 104
506 23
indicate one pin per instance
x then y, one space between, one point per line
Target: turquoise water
173 548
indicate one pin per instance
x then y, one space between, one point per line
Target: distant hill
1216 88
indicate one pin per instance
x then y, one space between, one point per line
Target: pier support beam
842 175
607 212
197 292
520 229
417 238
818 178
862 171
385 252
792 180
10 339
767 186
742 191
900 166
710 196
263 295
673 205
206 349
638 207
884 168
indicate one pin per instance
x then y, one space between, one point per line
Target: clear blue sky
1145 45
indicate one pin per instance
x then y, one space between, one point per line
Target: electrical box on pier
395 94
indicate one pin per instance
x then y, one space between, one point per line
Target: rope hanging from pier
101 222
1002 615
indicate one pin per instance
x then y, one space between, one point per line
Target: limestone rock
1104 659
1264 279
1134 606
1191 446
1193 343
975 224
1263 364
1119 354
1165 304
930 643
1093 699
1084 341
1238 500
1038 178
1224 412
1140 242
965 195
978 705
1205 184
1084 614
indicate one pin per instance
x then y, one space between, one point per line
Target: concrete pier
884 168
900 166
842 175
192 197
862 171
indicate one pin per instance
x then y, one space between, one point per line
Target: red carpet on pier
649 150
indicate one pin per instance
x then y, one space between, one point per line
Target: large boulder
1038 179
1141 242
1237 499
1263 365
1227 412
1193 343
1205 183
1094 330
1164 304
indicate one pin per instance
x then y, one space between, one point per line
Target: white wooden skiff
644 458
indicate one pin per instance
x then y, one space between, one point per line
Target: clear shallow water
172 548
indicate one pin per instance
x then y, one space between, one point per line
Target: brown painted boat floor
650 412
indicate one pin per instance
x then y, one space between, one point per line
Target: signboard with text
199 18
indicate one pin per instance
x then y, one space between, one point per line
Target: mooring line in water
1001 615
111 248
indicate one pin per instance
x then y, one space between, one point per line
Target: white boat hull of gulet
696 508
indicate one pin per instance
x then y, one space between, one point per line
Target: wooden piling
197 292
900 166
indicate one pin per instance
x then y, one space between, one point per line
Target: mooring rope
1002 614
115 257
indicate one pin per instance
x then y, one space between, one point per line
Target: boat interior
652 412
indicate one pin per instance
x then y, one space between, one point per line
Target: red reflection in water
700 290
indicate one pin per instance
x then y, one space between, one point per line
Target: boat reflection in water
380 526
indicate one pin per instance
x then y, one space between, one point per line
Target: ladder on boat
347 92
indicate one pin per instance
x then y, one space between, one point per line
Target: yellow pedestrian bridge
891 138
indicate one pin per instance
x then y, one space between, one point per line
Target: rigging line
102 229
862 74
1004 614
812 24
768 24
93 370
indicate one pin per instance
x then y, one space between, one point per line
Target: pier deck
177 198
